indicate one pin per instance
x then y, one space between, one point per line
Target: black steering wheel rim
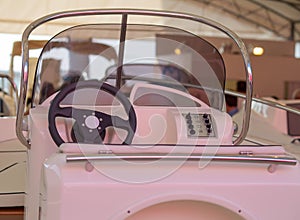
55 110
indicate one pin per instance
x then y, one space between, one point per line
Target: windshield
122 57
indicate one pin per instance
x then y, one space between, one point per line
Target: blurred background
270 29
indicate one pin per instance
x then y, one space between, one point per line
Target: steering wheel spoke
65 112
120 123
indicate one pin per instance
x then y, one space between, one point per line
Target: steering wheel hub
92 122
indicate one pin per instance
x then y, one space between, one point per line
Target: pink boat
128 121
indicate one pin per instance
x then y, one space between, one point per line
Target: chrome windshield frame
125 13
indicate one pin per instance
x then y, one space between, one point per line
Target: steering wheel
90 125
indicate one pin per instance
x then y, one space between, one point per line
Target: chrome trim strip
75 13
283 160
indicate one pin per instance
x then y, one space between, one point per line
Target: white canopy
248 18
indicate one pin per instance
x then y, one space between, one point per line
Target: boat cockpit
128 121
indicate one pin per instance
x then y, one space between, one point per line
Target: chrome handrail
25 55
266 102
282 160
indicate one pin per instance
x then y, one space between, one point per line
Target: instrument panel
199 125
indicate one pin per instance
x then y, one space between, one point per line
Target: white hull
219 190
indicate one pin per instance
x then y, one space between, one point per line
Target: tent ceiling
259 19
281 17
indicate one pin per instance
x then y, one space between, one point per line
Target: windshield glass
123 56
